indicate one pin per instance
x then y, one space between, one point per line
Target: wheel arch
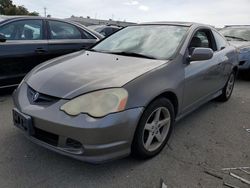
170 96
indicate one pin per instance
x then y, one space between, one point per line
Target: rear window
61 30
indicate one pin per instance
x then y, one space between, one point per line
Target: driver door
201 77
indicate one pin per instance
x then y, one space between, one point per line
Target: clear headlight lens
98 103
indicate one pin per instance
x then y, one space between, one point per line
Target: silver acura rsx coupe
123 95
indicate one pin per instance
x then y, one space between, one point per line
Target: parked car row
105 30
29 41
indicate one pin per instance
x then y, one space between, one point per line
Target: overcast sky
214 12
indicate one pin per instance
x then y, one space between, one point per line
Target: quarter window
23 30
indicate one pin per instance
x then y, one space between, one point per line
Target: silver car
124 95
239 36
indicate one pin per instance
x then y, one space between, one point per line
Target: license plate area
23 122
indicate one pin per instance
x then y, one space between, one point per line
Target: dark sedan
105 30
28 41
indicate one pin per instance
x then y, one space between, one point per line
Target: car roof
237 25
187 24
4 19
103 26
28 17
9 18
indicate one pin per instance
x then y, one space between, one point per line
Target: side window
203 39
61 30
205 43
220 41
23 30
106 31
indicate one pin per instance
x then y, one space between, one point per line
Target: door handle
40 51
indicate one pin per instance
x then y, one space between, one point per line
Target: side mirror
2 38
201 54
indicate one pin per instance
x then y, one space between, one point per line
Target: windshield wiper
133 54
233 37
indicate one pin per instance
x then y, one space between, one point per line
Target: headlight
98 103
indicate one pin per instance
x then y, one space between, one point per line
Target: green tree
8 8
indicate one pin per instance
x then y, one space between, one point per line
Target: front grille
40 98
68 145
46 137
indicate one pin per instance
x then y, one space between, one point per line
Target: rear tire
154 129
228 89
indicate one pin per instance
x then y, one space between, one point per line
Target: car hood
240 44
81 72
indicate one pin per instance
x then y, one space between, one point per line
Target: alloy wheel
230 85
156 129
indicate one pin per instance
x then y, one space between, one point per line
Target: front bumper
94 140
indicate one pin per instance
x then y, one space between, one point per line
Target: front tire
228 89
154 129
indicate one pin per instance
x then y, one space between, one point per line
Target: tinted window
106 31
99 29
115 29
158 41
220 41
23 30
202 39
61 30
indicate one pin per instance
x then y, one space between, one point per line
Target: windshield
240 34
156 41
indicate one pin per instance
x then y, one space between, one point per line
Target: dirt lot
214 136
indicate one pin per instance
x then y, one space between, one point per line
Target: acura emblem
35 97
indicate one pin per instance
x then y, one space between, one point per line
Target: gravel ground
214 136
